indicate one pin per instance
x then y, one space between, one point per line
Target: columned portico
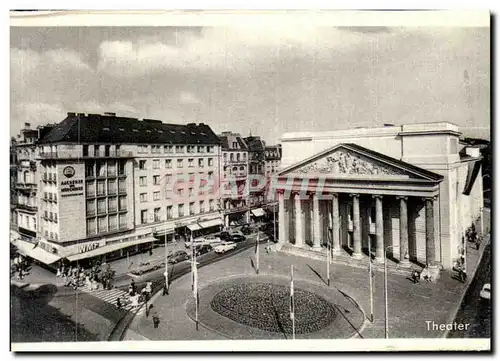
354 202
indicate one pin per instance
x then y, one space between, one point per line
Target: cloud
186 97
235 48
36 113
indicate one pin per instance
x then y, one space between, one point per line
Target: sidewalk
410 305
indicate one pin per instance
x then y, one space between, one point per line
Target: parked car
224 236
246 229
237 237
204 248
196 242
212 240
177 257
225 247
485 293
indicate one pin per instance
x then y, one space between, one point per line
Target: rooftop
109 128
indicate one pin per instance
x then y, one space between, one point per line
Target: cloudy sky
268 80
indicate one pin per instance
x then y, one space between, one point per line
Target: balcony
25 186
27 207
78 155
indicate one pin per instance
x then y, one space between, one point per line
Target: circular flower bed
267 306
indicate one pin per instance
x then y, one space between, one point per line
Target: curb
467 286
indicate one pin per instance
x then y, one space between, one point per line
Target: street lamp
385 291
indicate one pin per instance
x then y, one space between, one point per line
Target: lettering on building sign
88 247
71 188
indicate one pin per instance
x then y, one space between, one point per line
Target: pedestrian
132 284
58 273
118 303
156 320
165 289
415 276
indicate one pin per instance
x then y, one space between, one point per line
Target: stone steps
344 258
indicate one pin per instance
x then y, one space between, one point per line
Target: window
244 156
142 164
168 163
179 149
157 217
156 180
111 169
143 197
191 162
238 157
90 226
225 158
154 149
181 210
210 162
122 203
90 189
156 164
101 169
121 167
202 206
156 196
122 219
200 163
122 186
235 145
170 214
180 192
168 179
211 204
142 149
144 216
113 222
111 186
168 149
201 149
97 152
106 149
191 192
191 208
85 150
231 157
179 163
102 224
101 206
112 204
143 181
210 149
191 149
101 188
89 169
90 207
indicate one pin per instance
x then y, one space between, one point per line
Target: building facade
110 186
234 179
407 191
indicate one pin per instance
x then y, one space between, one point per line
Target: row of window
105 168
105 187
50 235
50 216
235 157
179 149
180 163
106 205
27 221
49 196
108 223
168 178
181 212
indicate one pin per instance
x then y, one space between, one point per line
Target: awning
211 223
107 249
193 227
38 253
258 212
163 232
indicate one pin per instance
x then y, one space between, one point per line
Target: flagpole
328 261
371 280
257 252
166 263
196 290
192 263
292 303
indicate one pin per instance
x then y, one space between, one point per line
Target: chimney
27 125
110 114
71 114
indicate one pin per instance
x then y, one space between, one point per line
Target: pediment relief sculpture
344 162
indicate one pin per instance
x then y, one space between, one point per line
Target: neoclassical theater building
409 191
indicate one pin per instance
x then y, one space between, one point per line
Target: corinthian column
299 227
356 226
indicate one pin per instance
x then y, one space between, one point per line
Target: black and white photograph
321 180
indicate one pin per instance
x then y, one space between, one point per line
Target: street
473 311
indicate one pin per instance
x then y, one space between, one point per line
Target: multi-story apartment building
24 203
256 165
234 179
109 186
272 158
